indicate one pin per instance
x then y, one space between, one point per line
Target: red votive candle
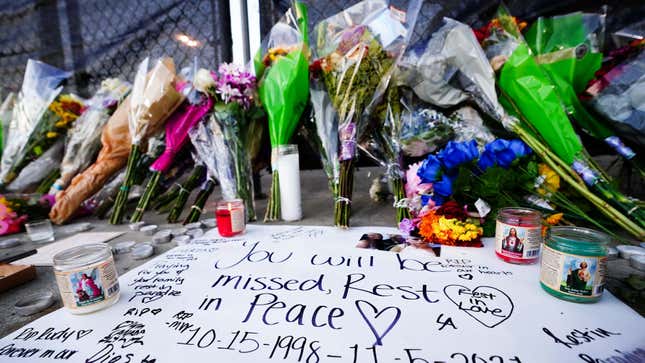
518 235
230 217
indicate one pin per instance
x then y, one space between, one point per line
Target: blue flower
503 153
519 148
430 170
444 186
458 153
438 200
486 160
425 199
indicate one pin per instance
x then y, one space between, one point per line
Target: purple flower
234 84
406 225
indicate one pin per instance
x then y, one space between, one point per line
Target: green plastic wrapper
567 47
284 84
535 96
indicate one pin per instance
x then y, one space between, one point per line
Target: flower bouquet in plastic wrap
240 117
568 49
41 117
357 51
528 93
84 139
191 112
281 66
210 143
153 99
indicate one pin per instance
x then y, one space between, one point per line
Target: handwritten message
305 294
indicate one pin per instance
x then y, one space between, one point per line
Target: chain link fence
475 13
99 39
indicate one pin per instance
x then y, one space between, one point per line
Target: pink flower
413 186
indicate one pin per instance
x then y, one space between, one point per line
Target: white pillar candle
289 175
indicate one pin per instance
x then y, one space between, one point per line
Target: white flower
203 80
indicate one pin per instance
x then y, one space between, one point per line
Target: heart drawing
377 319
488 305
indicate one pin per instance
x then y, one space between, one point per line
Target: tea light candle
288 168
230 217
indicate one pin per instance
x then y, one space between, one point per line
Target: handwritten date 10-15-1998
303 349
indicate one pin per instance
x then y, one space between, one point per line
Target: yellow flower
51 135
550 180
554 219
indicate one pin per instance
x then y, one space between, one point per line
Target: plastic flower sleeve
38 169
40 88
451 69
324 133
619 96
6 111
84 139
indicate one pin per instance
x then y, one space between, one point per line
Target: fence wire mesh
99 39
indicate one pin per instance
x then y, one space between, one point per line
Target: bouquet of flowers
153 99
568 48
281 66
522 82
111 159
210 143
84 139
192 111
16 209
39 118
358 49
240 118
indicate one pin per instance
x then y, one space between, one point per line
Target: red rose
452 209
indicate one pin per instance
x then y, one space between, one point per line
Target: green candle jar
573 264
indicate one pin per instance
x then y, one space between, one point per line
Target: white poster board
305 294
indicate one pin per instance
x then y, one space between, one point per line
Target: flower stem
151 189
122 196
184 192
399 194
199 203
342 205
604 207
273 207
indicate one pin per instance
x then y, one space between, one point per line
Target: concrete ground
317 208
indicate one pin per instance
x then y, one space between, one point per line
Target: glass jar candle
87 278
574 263
288 168
518 235
230 217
